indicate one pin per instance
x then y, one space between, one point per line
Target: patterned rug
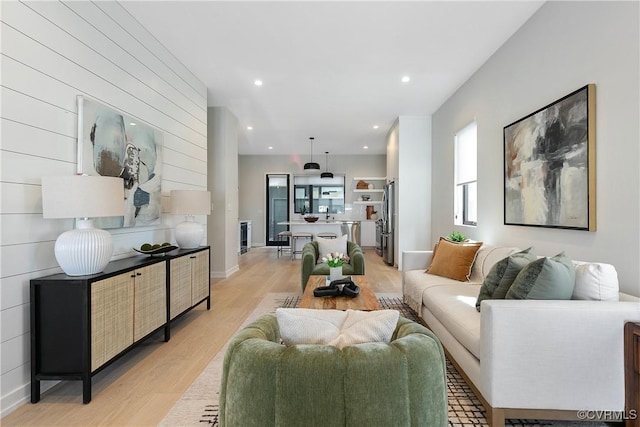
199 404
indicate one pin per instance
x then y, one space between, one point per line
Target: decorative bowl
311 218
158 251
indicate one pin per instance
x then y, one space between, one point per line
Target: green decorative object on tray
156 249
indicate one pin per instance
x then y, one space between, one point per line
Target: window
466 171
319 195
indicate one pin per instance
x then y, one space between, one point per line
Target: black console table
81 324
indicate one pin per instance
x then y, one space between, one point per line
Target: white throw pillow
326 246
595 281
309 326
335 327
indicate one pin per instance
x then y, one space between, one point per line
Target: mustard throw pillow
454 260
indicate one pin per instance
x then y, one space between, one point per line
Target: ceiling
331 70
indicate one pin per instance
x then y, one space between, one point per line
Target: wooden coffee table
366 300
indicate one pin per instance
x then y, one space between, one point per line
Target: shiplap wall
51 53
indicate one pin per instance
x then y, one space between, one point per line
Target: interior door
277 187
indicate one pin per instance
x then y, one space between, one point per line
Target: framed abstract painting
110 143
550 165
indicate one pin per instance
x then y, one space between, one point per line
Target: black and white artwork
111 143
549 161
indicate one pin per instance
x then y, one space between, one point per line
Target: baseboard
224 274
21 396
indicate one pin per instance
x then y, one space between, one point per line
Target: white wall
414 185
252 181
564 46
223 184
52 52
409 165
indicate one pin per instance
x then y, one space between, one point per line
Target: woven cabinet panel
150 299
111 318
180 281
97 325
200 277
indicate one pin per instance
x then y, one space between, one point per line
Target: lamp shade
190 202
311 165
86 249
82 196
326 173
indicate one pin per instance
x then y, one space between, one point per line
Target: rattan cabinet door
111 317
150 299
180 281
199 276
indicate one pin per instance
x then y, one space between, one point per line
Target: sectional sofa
529 359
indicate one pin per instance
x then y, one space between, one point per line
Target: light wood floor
140 388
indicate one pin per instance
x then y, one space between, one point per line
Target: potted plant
456 237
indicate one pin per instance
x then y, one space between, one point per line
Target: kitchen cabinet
81 324
368 234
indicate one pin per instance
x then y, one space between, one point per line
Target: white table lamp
189 234
86 249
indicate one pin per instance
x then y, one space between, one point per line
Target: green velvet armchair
310 264
265 383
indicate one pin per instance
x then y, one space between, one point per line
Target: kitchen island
333 226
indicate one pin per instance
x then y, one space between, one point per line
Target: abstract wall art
549 165
111 143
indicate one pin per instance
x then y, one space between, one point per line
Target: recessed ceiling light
366 147
249 127
270 148
258 82
376 126
406 79
132 124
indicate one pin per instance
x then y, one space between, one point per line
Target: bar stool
283 236
294 239
327 235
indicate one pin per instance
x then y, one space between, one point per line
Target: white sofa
526 359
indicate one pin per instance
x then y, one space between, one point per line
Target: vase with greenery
335 261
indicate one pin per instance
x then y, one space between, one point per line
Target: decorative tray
161 250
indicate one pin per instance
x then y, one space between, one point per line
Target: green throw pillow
545 278
502 275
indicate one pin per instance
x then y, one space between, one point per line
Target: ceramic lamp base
189 234
84 250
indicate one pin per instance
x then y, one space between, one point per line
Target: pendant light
311 165
326 174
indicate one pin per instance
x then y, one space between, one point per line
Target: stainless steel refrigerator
388 222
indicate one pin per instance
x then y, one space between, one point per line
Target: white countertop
318 222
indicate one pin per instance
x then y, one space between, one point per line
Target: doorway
277 187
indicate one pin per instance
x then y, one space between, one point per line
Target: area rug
198 406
